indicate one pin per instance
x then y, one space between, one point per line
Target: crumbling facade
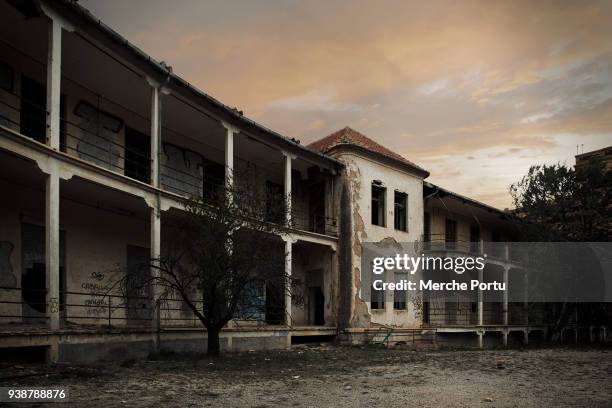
99 143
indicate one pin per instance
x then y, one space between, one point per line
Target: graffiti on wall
186 172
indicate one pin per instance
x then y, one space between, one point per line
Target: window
400 211
474 238
378 299
427 230
450 234
399 296
378 203
137 155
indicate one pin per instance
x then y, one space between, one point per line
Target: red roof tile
348 136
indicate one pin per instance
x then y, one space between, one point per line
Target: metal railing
465 245
316 223
98 310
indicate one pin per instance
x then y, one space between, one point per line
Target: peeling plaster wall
360 172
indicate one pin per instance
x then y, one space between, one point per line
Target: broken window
378 203
399 296
378 299
450 234
401 211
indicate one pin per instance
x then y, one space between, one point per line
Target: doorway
138 290
316 298
33 274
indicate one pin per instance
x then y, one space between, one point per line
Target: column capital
288 155
230 127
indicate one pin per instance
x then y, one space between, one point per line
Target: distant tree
560 203
563 204
221 254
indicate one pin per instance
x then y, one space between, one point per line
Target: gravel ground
337 377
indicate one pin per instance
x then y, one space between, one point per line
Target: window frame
404 209
381 203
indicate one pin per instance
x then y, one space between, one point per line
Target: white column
155 136
155 215
52 202
505 297
288 158
155 239
229 154
288 261
480 297
54 73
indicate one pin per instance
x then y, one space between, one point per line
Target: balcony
107 116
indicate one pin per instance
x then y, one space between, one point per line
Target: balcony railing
26 308
316 223
464 245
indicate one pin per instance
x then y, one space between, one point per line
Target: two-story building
100 143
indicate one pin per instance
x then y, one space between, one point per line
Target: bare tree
224 258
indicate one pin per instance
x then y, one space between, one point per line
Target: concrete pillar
526 337
480 299
505 297
52 203
54 75
288 158
526 297
480 334
505 338
155 230
155 135
229 153
155 245
288 262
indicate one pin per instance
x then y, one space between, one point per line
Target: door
137 155
139 308
317 306
33 114
316 208
33 274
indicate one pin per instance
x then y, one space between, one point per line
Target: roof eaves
165 72
411 168
468 200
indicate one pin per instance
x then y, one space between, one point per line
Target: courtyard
328 376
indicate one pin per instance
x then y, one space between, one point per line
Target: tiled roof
348 136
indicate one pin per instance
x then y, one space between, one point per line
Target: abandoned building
99 143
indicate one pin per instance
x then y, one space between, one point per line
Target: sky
473 91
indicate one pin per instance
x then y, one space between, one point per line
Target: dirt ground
337 377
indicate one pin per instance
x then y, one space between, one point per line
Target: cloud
452 86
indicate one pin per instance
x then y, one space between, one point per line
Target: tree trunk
214 347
